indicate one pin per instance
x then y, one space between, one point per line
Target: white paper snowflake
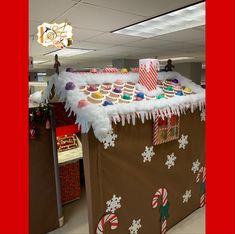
183 141
148 154
170 162
186 196
195 166
135 226
109 139
203 115
113 204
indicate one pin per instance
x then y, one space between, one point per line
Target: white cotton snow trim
100 118
152 93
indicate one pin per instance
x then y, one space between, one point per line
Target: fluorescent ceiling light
184 18
68 52
175 59
40 61
41 73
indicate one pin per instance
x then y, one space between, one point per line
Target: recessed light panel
188 17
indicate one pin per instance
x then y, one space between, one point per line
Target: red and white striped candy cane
202 175
111 218
162 192
155 128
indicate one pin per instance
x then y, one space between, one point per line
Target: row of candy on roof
119 92
106 70
172 87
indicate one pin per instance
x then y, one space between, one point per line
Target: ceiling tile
46 11
98 18
150 43
35 49
80 34
112 38
91 45
144 8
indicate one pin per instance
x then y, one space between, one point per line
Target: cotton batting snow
100 118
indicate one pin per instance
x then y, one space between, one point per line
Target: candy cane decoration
111 218
155 128
202 175
162 192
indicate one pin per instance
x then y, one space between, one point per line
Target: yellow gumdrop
97 95
124 70
188 90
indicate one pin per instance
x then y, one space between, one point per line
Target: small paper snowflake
135 226
170 160
109 139
186 196
113 204
183 141
195 166
203 115
148 154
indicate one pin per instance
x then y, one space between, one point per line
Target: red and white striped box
148 69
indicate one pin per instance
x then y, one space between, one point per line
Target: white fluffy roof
100 117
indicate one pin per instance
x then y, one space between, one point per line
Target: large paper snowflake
113 204
170 160
183 141
109 139
186 196
203 115
135 226
195 166
148 154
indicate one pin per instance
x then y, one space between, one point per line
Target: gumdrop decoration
70 86
82 103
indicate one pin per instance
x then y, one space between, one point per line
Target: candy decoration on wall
148 73
155 128
164 207
107 218
201 175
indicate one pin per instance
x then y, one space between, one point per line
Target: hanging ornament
48 124
32 133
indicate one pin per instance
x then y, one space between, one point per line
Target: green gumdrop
126 97
169 88
160 96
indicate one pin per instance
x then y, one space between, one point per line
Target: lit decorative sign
58 35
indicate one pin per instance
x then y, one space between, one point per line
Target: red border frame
220 109
14 118
220 126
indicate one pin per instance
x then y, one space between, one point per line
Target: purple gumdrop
175 81
70 86
117 90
